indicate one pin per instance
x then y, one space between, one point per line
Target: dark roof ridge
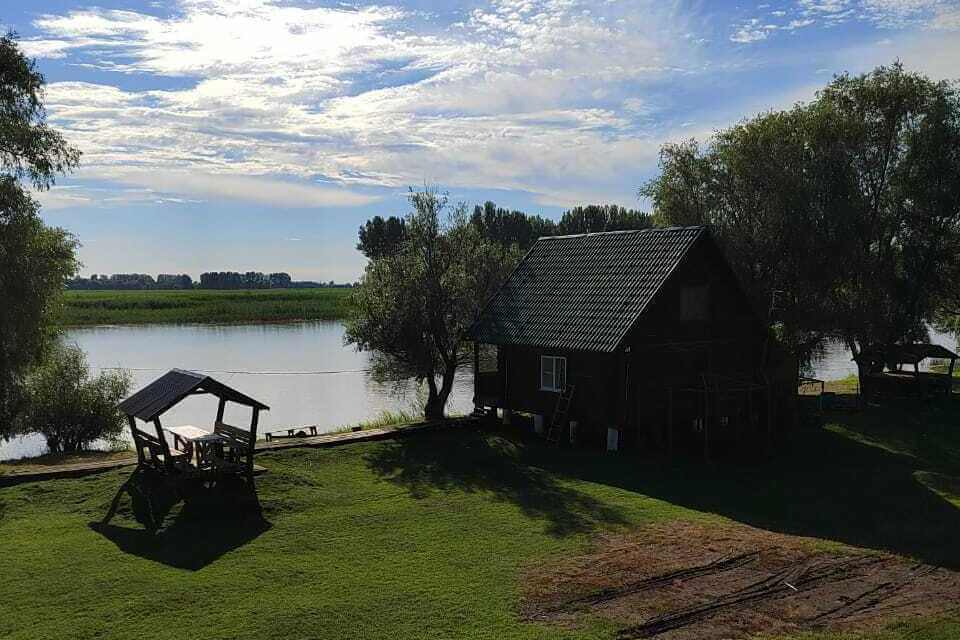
548 302
623 231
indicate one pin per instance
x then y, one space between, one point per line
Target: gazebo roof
175 385
911 353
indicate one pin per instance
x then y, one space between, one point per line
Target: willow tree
414 304
842 215
35 260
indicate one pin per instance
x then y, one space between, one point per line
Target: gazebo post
167 458
220 409
254 420
949 388
141 459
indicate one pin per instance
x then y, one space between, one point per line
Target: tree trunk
437 399
434 407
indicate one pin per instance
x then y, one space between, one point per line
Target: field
451 534
147 307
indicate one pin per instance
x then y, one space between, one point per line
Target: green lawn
262 305
428 536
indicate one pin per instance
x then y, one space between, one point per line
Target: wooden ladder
560 414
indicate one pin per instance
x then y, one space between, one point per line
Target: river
303 371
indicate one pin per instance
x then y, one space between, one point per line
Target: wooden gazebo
235 444
884 371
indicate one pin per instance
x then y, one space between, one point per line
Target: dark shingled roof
174 386
583 292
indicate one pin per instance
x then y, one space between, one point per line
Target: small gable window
695 303
553 373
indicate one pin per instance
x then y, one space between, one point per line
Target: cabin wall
729 312
669 354
593 374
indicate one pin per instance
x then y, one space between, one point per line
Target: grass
203 306
428 536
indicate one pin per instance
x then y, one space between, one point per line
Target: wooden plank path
321 441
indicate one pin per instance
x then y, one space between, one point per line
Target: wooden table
199 440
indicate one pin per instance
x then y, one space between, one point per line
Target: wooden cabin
639 338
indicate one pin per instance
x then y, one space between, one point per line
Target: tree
842 216
414 305
35 260
70 408
510 228
379 237
596 218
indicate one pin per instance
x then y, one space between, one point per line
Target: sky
260 134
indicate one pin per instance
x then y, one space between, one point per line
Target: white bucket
538 424
613 439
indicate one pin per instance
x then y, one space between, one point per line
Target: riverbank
84 308
51 467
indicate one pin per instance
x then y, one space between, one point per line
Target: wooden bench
292 432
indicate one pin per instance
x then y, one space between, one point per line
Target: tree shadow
182 524
474 462
823 483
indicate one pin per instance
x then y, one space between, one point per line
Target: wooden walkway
321 441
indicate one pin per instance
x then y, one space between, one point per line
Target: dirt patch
686 580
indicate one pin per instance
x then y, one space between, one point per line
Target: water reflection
302 371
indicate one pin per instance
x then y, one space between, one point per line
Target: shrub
68 406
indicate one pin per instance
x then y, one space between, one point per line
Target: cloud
260 189
934 53
886 14
751 31
523 94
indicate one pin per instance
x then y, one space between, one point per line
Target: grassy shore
432 536
147 307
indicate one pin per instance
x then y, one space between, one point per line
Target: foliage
70 408
380 238
604 217
510 228
248 280
35 260
415 304
155 307
29 149
842 216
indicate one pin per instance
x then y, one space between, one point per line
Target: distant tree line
380 237
209 280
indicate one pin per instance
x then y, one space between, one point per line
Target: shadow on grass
823 483
853 481
472 461
186 526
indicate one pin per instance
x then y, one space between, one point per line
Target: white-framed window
553 373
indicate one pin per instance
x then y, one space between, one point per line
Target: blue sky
259 134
